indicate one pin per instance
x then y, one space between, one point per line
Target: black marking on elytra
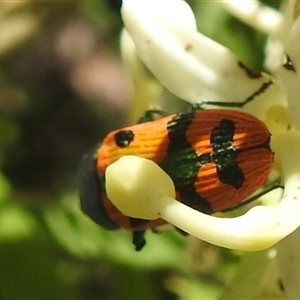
177 127
222 134
231 173
224 154
251 74
289 65
123 138
182 162
190 197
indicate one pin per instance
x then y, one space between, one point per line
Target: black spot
183 164
231 174
224 154
289 65
177 128
223 133
123 138
252 74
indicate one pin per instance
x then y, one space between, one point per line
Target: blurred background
62 88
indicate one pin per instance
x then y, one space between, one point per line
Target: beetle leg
199 105
152 115
261 90
138 239
180 231
254 197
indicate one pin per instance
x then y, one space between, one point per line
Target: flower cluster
163 35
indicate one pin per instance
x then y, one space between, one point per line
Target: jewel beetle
216 159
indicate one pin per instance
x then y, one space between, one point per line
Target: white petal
289 264
150 195
291 78
134 185
145 88
255 14
167 10
190 65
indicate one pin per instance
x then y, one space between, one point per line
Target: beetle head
91 190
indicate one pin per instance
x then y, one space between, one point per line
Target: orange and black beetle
216 159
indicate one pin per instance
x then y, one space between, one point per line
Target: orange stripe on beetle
148 140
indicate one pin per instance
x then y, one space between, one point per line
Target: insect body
216 159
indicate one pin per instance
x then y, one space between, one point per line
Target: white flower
195 68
